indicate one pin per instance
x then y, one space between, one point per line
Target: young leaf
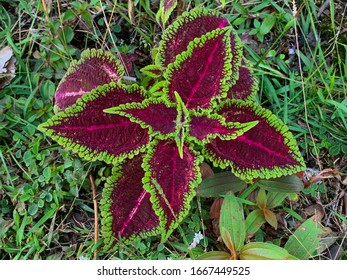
228 242
211 56
95 135
270 217
153 71
304 243
219 184
165 9
232 219
264 251
265 151
204 126
95 68
171 180
261 199
126 209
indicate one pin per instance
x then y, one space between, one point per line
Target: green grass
46 203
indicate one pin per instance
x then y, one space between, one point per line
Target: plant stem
96 220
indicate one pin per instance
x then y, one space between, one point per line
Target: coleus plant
201 106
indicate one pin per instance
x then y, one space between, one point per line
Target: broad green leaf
219 184
214 255
228 242
232 219
264 251
254 221
304 243
275 199
283 184
267 24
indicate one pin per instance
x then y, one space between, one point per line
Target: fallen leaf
315 210
7 66
131 8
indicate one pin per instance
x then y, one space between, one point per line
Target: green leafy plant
201 104
234 228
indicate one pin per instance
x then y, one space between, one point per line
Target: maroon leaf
265 151
171 181
200 74
95 68
93 134
165 10
127 60
125 206
245 87
185 29
151 113
206 127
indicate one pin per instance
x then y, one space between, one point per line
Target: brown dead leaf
206 170
7 66
315 210
215 214
326 174
215 208
131 12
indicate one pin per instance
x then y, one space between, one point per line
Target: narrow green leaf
49 214
293 213
20 232
264 251
304 243
219 184
232 219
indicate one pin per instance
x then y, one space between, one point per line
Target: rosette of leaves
201 105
